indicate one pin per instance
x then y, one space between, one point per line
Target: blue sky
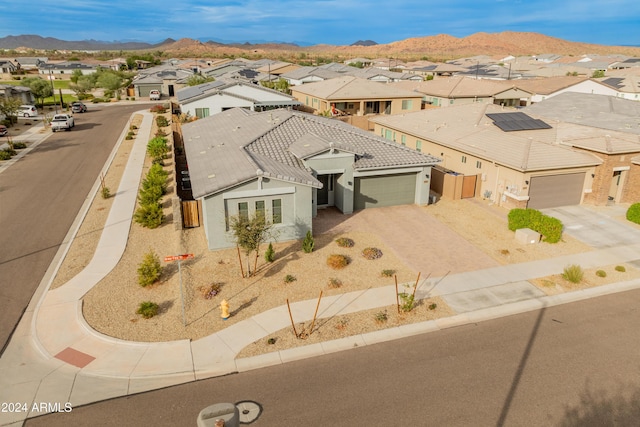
339 22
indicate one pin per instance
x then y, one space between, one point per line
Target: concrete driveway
418 239
596 226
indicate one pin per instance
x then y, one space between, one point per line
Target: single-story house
168 79
624 83
445 92
496 153
286 164
355 96
305 75
7 66
214 97
66 68
548 87
22 93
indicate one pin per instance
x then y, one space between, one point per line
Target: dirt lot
459 236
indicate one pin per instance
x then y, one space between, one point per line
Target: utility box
527 236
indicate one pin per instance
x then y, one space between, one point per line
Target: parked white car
62 122
27 111
154 95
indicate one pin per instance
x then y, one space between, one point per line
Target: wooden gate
469 186
190 214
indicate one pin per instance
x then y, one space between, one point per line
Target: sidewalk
55 357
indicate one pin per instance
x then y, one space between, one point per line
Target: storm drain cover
249 411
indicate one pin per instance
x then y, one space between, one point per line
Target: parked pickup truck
154 95
62 122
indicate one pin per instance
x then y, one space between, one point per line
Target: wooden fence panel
190 215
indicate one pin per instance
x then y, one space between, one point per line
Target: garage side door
385 190
555 190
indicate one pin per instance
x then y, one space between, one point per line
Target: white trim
258 193
329 171
621 168
515 196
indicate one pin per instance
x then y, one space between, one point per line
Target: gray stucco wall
296 209
340 164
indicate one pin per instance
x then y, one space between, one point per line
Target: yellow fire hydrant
224 309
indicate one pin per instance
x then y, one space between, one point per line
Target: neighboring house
168 79
286 164
277 68
355 96
30 62
544 88
495 153
445 92
305 75
625 83
384 76
436 70
366 62
492 72
7 67
19 92
66 69
214 97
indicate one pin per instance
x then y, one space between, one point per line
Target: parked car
78 107
62 122
3 130
27 111
154 95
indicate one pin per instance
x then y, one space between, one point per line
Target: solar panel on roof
510 122
614 82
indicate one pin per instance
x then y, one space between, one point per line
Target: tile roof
235 146
466 128
349 87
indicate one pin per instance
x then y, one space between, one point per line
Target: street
573 365
41 195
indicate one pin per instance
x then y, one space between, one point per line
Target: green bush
270 254
162 121
573 273
549 227
289 278
149 270
148 309
633 213
388 273
620 268
308 243
157 147
149 215
19 145
601 273
4 155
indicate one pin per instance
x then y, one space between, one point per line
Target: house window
479 164
201 113
403 139
464 159
418 145
407 104
243 211
387 134
276 208
260 209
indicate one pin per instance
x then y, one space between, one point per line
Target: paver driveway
417 238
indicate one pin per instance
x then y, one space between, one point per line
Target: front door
614 189
325 194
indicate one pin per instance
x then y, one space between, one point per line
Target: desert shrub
381 316
10 151
308 243
160 132
129 136
150 194
549 227
633 213
158 108
337 262
407 301
157 147
4 155
133 127
162 121
289 278
573 273
148 309
371 253
334 283
149 270
156 176
105 192
433 306
211 291
149 215
601 273
19 145
620 268
387 273
345 242
270 254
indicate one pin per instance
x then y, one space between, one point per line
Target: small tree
150 269
270 253
40 88
9 108
249 234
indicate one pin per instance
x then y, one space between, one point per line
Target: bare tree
249 233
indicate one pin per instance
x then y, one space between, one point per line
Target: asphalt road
40 196
570 365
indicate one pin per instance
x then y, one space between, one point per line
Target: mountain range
440 46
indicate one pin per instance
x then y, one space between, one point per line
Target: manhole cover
249 411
